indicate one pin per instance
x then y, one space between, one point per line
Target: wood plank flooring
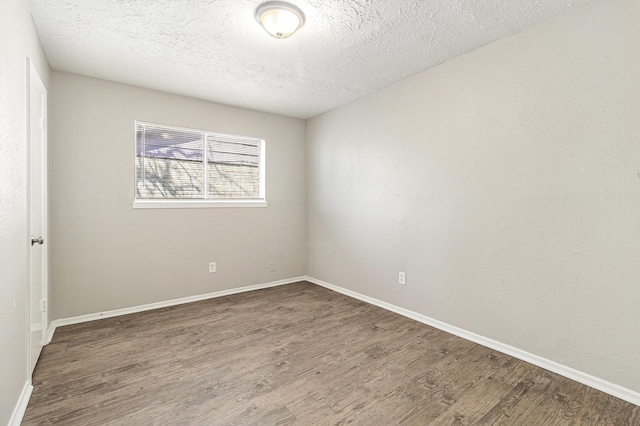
295 355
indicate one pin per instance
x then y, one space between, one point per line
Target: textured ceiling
215 50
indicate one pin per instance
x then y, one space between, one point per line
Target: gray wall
18 40
505 183
106 255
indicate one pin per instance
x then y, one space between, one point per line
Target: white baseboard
21 406
579 376
50 331
141 308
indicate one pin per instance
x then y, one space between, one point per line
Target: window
178 167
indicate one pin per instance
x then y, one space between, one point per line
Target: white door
37 215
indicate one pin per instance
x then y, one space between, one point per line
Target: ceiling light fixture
279 19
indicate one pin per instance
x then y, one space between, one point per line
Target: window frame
185 203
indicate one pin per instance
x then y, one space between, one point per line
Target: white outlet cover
212 267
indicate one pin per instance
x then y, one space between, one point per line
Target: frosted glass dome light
279 19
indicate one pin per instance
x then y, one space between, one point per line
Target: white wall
18 40
105 255
505 183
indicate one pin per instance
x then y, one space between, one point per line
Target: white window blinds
170 164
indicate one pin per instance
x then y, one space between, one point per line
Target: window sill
196 204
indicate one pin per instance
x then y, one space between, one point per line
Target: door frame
34 77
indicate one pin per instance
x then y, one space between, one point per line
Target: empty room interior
320 212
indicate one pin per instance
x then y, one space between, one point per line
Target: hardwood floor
296 354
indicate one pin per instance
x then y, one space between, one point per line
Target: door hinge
43 305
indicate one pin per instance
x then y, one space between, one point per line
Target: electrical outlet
272 267
212 267
401 278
